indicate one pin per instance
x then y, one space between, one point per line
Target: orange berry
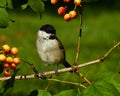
73 14
67 17
6 48
54 2
61 10
9 59
66 1
6 65
2 57
77 2
14 51
7 73
16 60
13 66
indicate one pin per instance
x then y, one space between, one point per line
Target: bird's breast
49 51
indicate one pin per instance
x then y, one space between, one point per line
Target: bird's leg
56 70
42 73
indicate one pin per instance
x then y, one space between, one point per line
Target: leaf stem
111 49
68 82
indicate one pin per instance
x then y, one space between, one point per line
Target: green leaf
43 93
3 18
36 5
2 3
117 78
116 81
110 77
106 84
9 4
71 92
101 88
107 76
79 94
6 3
24 6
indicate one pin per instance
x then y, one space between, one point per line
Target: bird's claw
42 75
56 72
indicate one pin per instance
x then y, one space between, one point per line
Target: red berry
14 51
77 2
7 73
6 65
66 1
13 66
16 60
9 59
54 2
73 14
61 10
6 48
2 57
67 17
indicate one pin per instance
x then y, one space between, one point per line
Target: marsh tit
50 48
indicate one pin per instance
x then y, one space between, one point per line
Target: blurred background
101 30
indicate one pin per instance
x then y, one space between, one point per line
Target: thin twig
78 49
31 76
79 38
85 79
111 49
68 82
32 66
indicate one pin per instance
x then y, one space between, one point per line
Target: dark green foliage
71 92
37 6
8 83
1 68
40 93
105 86
3 18
34 93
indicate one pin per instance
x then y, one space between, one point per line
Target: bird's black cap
48 29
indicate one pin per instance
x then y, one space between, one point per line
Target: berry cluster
9 59
62 10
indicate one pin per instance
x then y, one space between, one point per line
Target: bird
49 47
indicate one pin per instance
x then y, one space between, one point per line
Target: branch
31 76
68 82
79 38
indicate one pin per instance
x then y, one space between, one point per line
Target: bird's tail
66 64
